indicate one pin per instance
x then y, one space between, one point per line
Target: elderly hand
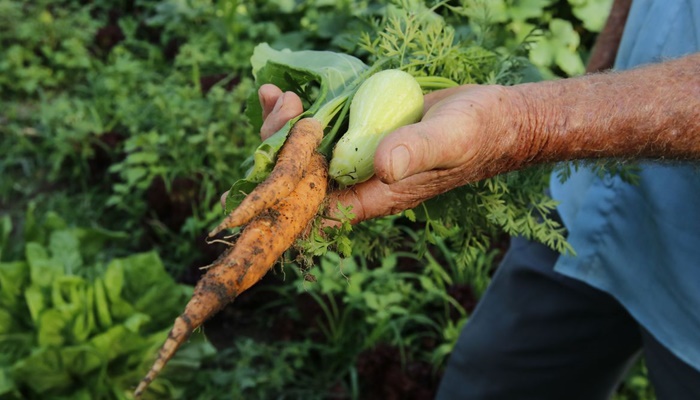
454 144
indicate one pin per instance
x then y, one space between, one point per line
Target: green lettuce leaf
93 240
65 250
6 321
36 301
81 359
52 323
72 328
42 268
43 371
151 290
14 276
7 384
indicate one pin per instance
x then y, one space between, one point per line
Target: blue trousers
537 334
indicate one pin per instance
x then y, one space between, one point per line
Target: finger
288 106
374 198
362 198
370 199
435 97
427 145
268 94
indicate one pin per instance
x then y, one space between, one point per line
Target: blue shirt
641 244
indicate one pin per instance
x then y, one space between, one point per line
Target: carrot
260 244
292 160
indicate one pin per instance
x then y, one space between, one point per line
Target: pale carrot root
260 244
291 162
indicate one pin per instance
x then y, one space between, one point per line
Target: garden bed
126 120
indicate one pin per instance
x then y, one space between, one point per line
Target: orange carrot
291 162
260 244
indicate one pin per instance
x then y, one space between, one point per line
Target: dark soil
105 153
207 82
385 378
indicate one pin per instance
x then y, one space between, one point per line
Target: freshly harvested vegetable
386 101
260 244
285 176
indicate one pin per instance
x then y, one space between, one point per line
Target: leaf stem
435 82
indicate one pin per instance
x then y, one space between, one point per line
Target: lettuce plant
75 325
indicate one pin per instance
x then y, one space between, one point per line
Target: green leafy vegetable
76 330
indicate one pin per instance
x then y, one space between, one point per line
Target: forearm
649 113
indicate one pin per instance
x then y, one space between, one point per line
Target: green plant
253 369
127 115
43 48
127 111
636 385
364 306
559 33
78 325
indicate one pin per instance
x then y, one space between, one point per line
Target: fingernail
399 162
279 104
261 99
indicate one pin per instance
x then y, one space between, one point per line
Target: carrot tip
139 390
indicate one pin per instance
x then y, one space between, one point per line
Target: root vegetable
261 243
289 168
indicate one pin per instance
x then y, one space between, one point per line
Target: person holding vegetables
557 326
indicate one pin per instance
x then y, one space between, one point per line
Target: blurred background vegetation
121 123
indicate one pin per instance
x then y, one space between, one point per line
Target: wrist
529 119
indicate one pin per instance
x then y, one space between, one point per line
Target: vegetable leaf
295 69
593 13
559 46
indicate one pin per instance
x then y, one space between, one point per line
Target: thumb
424 146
